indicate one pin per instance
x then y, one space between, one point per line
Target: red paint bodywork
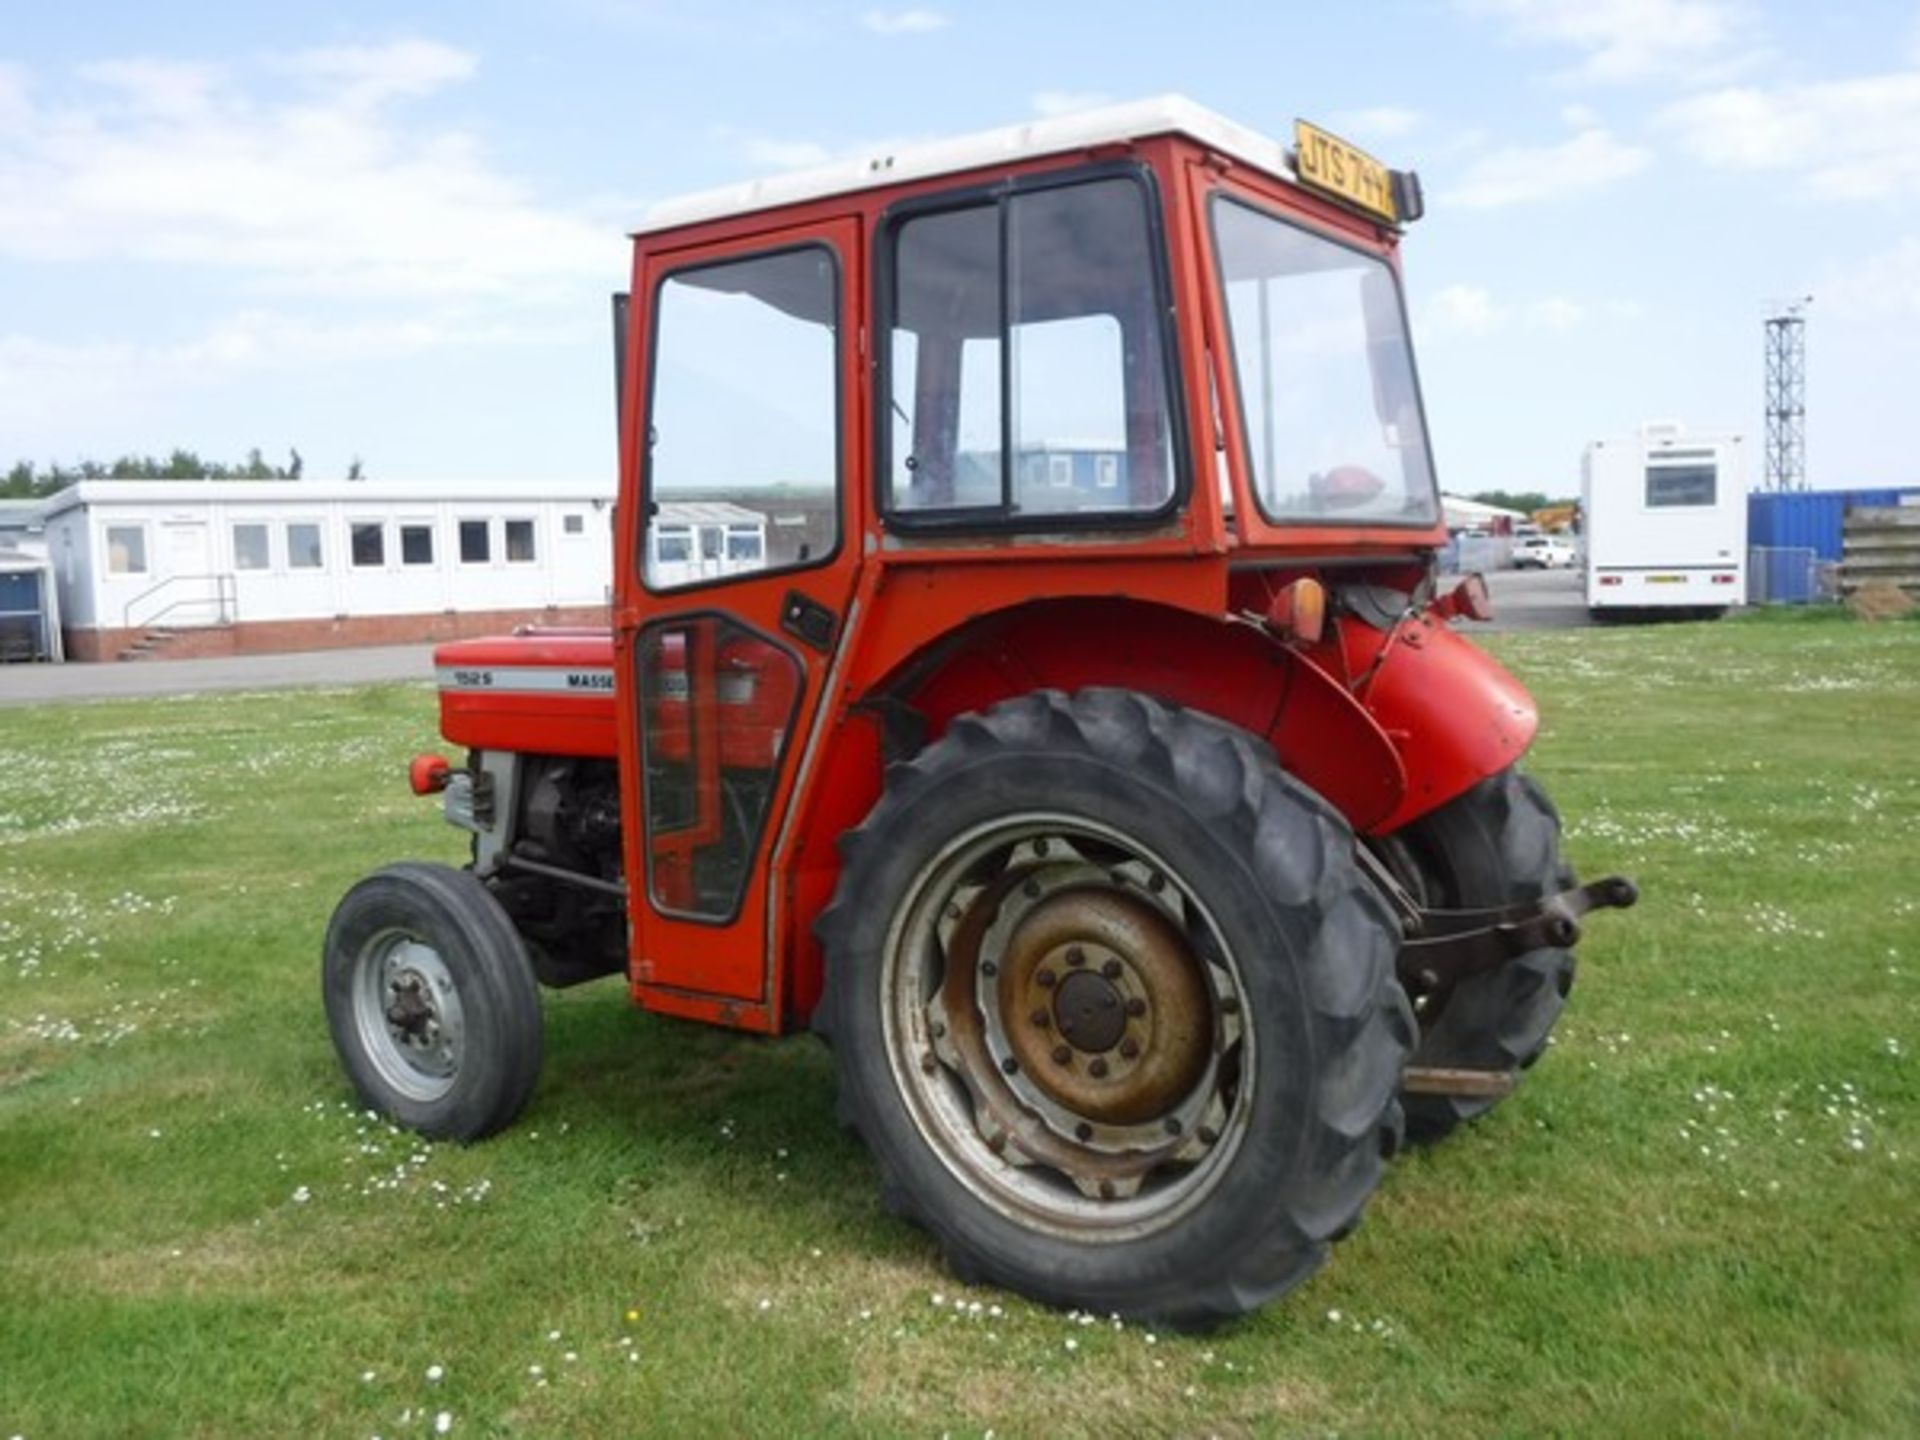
1387 723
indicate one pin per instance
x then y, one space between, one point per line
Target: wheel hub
1089 1018
409 1014
410 1008
1090 1013
1104 1004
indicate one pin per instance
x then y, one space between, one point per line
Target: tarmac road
110 680
1536 600
1522 600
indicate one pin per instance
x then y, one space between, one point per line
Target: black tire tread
499 994
1498 843
1301 850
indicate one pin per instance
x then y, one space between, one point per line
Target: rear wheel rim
407 1014
1068 1027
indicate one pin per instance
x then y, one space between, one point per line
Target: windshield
1325 372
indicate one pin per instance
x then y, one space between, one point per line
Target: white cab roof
1163 115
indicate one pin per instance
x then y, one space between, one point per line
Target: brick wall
267 637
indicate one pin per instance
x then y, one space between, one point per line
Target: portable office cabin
226 566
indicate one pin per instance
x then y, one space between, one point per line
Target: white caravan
1664 522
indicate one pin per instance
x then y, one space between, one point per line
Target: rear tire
1497 844
1218 900
432 1002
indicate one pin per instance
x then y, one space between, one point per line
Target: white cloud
1853 139
1580 117
1520 174
1881 286
1465 310
1556 313
1473 310
368 75
1066 102
318 185
174 89
904 22
1378 122
1624 40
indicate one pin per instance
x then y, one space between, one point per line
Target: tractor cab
1025 669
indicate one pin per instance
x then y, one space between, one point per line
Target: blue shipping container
1809 519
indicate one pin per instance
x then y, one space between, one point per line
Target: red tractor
1026 669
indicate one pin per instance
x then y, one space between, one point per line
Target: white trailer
1664 522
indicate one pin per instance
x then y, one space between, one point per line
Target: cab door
741 569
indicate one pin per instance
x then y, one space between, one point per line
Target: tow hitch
1444 947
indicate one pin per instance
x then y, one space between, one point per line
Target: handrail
225 598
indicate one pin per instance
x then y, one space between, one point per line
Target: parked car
1542 552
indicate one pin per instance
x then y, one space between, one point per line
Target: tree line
27 480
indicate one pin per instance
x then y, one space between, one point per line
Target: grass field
1698 1215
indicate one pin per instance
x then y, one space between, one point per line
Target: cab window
1025 362
742 433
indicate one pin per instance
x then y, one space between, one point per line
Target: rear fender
1229 669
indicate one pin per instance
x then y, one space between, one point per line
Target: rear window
1678 485
1025 361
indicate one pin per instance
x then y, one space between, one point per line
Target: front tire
432 1002
1495 845
1114 1008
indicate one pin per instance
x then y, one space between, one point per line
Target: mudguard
1452 712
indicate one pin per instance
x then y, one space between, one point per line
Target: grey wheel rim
1068 1027
407 1013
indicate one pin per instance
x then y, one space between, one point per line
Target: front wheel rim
407 1015
1068 1027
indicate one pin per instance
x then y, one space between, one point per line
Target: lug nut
1083 1131
1156 882
1041 846
1129 1047
1031 889
1098 1069
1039 1017
1136 1007
1111 969
953 912
1062 1055
1046 979
1106 1189
1207 1134
1076 956
1230 1005
1173 1125
997 1141
939 1029
1010 1065
987 967
928 1064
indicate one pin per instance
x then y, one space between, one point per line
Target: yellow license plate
1326 162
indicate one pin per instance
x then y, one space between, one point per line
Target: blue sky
389 230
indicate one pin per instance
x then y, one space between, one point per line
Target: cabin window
250 547
368 544
743 427
520 542
126 549
416 545
476 543
304 550
1025 340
